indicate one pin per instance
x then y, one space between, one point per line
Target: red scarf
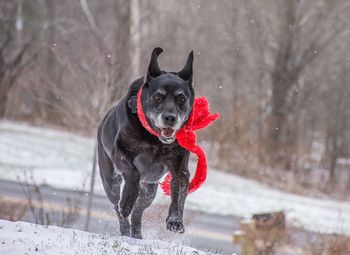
186 137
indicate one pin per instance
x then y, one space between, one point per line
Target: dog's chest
153 162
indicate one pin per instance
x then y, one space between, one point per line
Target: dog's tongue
167 132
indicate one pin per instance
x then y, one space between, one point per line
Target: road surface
206 232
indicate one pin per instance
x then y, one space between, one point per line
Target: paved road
206 232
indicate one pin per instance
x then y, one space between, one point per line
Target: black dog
127 151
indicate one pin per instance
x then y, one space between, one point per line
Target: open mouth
167 135
167 132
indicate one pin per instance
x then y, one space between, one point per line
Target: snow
63 160
17 238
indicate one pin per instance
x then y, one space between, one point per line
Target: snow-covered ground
63 160
17 238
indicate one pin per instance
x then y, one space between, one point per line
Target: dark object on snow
269 220
263 234
127 151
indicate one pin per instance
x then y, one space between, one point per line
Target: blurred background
278 72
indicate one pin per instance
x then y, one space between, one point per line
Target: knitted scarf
199 118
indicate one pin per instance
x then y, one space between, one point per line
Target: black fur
126 151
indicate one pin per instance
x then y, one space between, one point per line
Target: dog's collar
141 114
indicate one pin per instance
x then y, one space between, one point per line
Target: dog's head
167 97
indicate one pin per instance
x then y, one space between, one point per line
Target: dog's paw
136 232
174 224
136 235
124 227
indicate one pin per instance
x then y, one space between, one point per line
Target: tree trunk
3 88
3 99
283 79
52 68
282 131
333 161
135 38
278 116
19 22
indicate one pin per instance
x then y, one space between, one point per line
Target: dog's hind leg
130 190
147 194
111 184
124 224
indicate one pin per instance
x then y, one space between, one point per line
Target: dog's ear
153 67
187 71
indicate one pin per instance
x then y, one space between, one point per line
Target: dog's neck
141 114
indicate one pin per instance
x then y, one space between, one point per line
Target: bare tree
12 59
135 38
337 117
264 65
299 44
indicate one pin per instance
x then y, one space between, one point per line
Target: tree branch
96 32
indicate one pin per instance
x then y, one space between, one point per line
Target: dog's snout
169 119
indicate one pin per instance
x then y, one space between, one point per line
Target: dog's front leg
179 190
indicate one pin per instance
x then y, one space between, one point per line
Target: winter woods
277 71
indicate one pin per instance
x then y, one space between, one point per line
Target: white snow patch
63 160
17 238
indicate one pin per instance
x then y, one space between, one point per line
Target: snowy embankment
63 160
17 238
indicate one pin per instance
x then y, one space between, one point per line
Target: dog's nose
169 119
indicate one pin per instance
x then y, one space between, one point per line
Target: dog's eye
181 99
158 97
